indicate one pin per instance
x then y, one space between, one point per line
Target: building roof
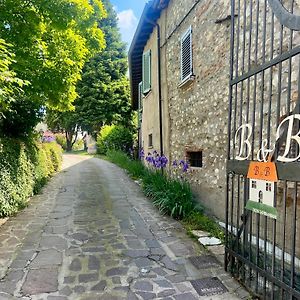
150 15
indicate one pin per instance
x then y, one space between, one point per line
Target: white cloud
127 23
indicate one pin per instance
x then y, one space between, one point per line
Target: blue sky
129 12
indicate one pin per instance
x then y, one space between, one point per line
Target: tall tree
64 122
51 40
104 89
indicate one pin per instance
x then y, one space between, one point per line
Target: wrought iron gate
264 252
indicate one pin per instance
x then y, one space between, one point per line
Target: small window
186 55
268 187
195 158
253 184
150 140
147 72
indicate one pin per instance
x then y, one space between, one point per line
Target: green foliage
61 140
10 85
20 119
79 145
42 171
135 168
104 96
114 137
25 167
51 41
171 196
64 122
55 155
198 221
103 90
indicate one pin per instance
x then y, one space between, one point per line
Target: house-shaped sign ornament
262 177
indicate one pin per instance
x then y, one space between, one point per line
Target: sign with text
262 171
244 133
262 177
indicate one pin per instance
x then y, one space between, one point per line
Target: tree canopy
103 91
51 41
10 85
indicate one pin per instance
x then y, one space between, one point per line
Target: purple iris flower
164 161
48 139
142 154
185 167
174 163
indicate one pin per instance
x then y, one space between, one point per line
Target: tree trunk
69 141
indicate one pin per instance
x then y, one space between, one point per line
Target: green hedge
25 168
114 137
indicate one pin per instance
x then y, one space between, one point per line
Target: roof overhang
150 15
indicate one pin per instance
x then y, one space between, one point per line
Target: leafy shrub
42 171
55 155
25 167
78 145
61 140
114 137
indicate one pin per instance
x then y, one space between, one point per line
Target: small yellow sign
262 171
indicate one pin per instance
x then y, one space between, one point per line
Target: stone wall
195 116
198 110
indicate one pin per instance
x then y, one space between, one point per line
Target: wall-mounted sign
243 138
262 177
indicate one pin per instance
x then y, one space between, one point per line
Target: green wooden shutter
147 71
140 109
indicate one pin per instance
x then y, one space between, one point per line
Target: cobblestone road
91 234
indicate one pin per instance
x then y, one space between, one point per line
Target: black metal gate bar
263 51
275 280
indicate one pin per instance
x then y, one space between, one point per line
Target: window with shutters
140 109
147 72
186 55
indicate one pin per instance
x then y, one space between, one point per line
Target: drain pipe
159 86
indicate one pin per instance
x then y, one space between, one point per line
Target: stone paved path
93 235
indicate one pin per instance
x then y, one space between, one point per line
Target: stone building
181 52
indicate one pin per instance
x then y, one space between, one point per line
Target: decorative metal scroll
286 18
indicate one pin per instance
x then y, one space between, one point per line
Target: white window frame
183 37
147 89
